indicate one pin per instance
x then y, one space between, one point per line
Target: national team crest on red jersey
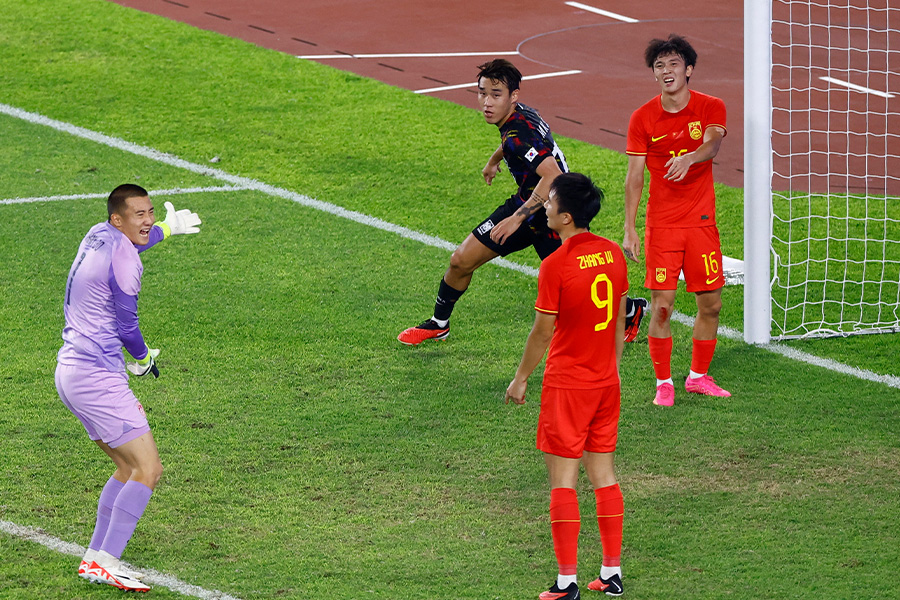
660 274
695 130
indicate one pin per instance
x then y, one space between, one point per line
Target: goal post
757 170
822 168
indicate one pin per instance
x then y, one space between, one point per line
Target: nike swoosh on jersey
712 281
656 139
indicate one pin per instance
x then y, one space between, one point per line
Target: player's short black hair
577 195
116 201
674 45
501 69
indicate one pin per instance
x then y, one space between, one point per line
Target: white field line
154 193
800 356
152 577
407 55
600 11
364 219
460 86
858 88
245 183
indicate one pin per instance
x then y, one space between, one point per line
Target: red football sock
610 513
565 522
702 355
661 355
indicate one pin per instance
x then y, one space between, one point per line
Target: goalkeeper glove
145 365
181 221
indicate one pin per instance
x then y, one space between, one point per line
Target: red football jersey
660 135
583 283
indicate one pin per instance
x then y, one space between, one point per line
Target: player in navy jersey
534 160
100 309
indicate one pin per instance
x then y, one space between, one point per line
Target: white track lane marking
460 86
153 193
152 577
600 11
252 184
858 88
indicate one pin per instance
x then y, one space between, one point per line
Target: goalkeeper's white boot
88 569
91 573
111 572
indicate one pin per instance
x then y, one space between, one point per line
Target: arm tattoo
528 209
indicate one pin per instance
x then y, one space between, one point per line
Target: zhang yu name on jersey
598 259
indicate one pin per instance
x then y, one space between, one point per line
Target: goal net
835 167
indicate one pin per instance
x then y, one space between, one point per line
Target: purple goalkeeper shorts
103 403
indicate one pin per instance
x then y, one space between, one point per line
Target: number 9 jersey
583 284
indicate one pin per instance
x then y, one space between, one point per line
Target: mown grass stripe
302 199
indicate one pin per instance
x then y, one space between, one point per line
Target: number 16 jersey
660 136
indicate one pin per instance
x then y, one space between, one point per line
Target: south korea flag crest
531 154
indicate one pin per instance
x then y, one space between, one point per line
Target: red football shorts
695 250
573 421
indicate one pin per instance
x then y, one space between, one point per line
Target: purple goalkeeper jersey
101 300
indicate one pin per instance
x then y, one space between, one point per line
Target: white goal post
821 168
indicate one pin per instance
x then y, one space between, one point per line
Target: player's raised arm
177 222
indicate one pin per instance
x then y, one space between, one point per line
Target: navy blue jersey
527 142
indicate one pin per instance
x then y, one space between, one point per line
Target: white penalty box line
154 193
363 219
151 576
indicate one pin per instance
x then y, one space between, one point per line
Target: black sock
446 300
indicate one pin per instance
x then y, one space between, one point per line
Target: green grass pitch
307 453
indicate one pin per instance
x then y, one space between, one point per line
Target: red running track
544 36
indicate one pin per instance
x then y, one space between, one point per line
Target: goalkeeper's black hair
116 201
577 195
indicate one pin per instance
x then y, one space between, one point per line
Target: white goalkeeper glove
145 365
181 221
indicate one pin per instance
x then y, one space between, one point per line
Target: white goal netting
836 167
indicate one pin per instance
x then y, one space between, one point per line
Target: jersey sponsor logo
712 281
656 139
597 259
485 227
531 154
695 130
660 274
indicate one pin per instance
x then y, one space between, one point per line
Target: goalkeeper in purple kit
101 318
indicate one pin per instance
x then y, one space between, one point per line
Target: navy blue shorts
534 233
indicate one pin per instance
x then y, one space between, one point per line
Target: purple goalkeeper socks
104 510
128 508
